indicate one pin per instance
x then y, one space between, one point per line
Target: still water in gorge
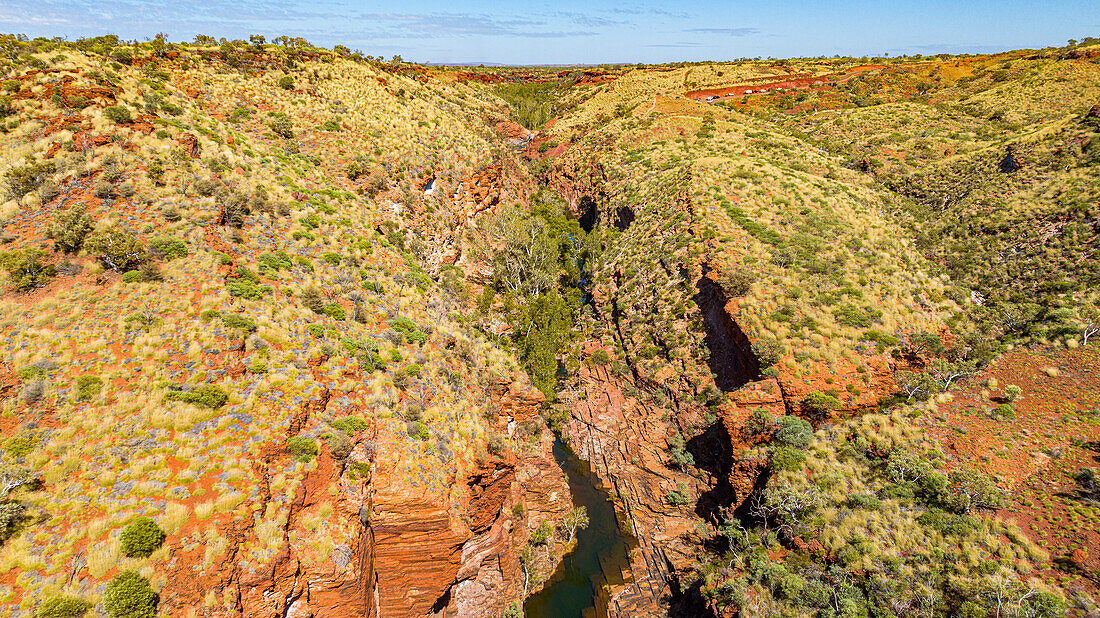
577 587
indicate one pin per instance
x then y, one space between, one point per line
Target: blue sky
577 31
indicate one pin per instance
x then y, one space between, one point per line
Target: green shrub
209 396
302 448
791 586
247 285
359 469
353 170
131 276
970 490
87 387
1003 412
339 445
787 458
233 320
19 181
413 370
286 82
6 108
271 263
542 533
335 311
168 248
736 282
118 249
947 523
350 424
70 228
61 606
21 445
678 496
282 126
150 272
793 431
332 125
118 114
419 430
864 501
818 405
26 270
312 299
331 258
767 352
141 537
850 315
129 595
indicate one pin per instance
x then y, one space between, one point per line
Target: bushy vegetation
933 556
21 180
209 396
141 537
70 228
62 606
302 448
129 595
537 259
119 249
118 114
26 270
532 105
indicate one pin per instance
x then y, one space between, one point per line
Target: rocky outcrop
626 442
430 558
579 180
189 143
518 400
514 135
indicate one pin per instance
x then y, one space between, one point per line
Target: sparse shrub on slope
303 449
129 595
26 270
70 228
118 114
282 126
21 180
210 396
167 248
62 606
117 248
824 508
141 537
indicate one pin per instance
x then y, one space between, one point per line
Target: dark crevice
624 216
590 213
616 315
710 450
442 602
731 357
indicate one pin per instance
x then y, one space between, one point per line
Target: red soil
793 82
1035 455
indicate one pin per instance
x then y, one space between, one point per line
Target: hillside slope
291 332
